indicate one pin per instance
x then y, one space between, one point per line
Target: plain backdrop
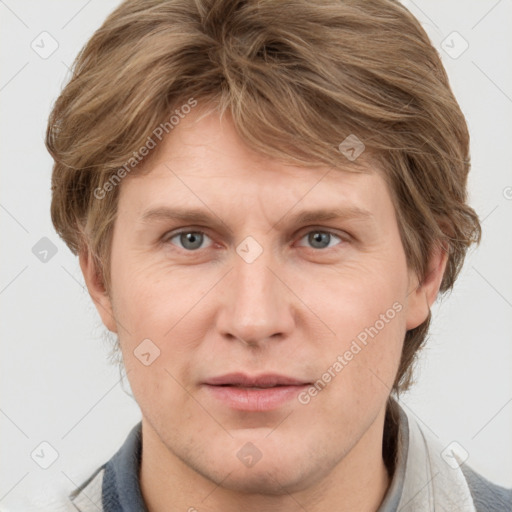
57 384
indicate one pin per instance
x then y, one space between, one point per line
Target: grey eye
320 239
190 240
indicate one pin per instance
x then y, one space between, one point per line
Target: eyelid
323 229
168 235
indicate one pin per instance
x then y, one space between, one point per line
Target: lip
265 380
257 393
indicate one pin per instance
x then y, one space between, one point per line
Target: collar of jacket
428 476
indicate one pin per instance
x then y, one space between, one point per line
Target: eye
189 240
320 239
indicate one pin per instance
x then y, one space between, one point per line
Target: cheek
358 367
151 298
366 350
365 308
161 330
354 299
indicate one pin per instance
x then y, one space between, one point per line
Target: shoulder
85 498
487 496
449 486
88 496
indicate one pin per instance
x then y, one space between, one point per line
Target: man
266 199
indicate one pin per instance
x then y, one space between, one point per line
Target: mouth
254 393
267 380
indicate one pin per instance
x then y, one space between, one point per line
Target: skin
291 311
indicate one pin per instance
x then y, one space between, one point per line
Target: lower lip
246 399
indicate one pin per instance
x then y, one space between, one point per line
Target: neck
358 482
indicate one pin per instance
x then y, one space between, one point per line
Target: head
253 112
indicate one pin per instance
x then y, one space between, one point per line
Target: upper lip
266 380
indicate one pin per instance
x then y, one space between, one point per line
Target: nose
257 305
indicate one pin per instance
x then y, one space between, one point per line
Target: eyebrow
196 216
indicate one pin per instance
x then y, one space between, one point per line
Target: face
261 308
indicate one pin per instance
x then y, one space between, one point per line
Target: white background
57 385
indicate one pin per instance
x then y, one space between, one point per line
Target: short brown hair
297 77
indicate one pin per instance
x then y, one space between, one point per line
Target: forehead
204 132
203 157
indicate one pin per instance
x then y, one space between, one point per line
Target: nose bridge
256 305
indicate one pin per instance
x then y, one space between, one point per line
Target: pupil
191 237
318 237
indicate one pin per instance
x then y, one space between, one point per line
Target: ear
423 294
96 287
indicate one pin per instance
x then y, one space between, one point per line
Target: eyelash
169 236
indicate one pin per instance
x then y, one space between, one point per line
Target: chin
272 481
